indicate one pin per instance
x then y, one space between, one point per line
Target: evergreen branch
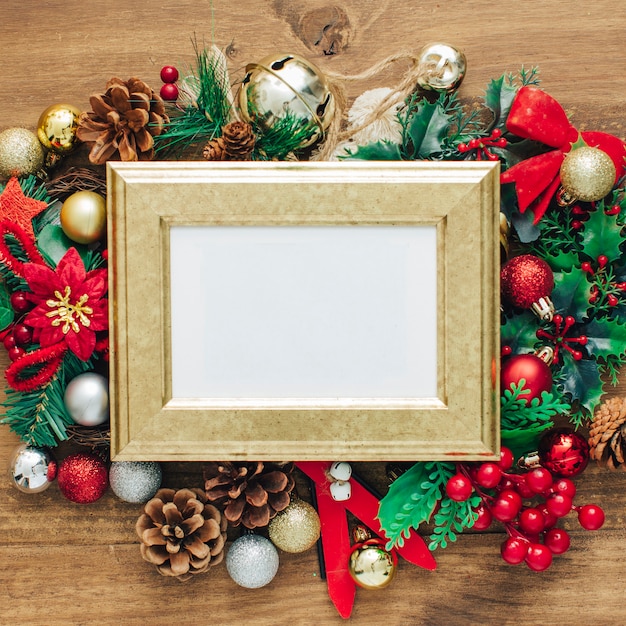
452 518
517 413
284 136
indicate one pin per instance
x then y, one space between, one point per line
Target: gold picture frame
151 206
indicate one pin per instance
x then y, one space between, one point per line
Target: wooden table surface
64 563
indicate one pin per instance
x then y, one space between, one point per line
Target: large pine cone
250 493
607 434
124 121
180 533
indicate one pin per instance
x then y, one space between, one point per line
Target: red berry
539 557
169 74
484 518
557 540
19 302
577 225
488 475
591 516
559 504
614 210
565 486
549 520
22 334
612 299
169 91
496 133
531 521
539 480
473 144
459 488
602 260
15 353
9 342
514 550
506 459
506 506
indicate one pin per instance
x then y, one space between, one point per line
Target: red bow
538 116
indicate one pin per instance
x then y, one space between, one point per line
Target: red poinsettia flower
69 303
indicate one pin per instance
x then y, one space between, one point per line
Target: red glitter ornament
535 372
526 281
83 477
564 452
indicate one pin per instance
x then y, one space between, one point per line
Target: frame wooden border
460 198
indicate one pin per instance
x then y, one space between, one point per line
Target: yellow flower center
68 314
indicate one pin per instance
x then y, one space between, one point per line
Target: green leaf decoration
452 518
428 129
602 236
6 310
581 380
53 243
412 499
523 440
605 338
562 261
571 293
517 413
519 332
379 151
499 97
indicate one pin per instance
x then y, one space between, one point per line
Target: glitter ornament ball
535 372
252 561
371 566
21 154
287 84
56 128
525 279
296 528
587 174
32 469
83 217
83 477
441 67
86 399
564 452
135 481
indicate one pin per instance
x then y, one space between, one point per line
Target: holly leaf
379 151
519 332
6 310
498 98
581 380
605 338
571 293
523 440
524 225
602 236
562 261
428 129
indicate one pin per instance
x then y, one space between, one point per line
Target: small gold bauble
296 528
441 67
587 174
287 84
21 153
57 126
83 217
371 566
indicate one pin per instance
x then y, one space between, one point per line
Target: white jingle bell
340 491
340 470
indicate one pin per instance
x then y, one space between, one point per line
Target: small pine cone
180 533
239 141
607 434
250 493
215 150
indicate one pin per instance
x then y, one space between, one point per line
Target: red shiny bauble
83 477
535 372
169 74
563 452
525 279
169 91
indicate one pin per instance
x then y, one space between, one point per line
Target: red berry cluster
481 146
581 215
533 537
18 336
169 76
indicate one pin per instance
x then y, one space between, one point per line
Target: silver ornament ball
135 481
32 469
87 399
441 67
252 561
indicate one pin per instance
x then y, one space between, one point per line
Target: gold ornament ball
587 174
83 217
441 67
371 566
296 528
287 84
21 154
57 126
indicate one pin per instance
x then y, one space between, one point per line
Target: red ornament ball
169 74
535 372
564 452
169 91
83 477
525 279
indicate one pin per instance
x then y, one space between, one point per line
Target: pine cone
124 121
250 493
180 533
215 150
239 141
607 434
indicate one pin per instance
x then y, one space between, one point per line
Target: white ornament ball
252 561
32 469
87 399
135 481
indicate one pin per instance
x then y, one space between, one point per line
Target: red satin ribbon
336 538
538 116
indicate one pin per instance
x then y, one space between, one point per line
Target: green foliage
6 310
501 92
516 412
580 380
379 151
519 332
53 244
571 293
602 235
452 518
284 136
605 338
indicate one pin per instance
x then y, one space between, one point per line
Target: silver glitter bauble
135 481
21 153
87 399
32 469
252 561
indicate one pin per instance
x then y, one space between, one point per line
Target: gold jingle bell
287 84
370 565
56 128
441 67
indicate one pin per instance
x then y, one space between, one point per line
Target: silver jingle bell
32 469
441 67
287 84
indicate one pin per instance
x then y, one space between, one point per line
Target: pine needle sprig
283 137
517 413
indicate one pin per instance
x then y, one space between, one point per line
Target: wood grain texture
62 563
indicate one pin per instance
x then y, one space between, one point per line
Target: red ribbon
538 116
336 538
